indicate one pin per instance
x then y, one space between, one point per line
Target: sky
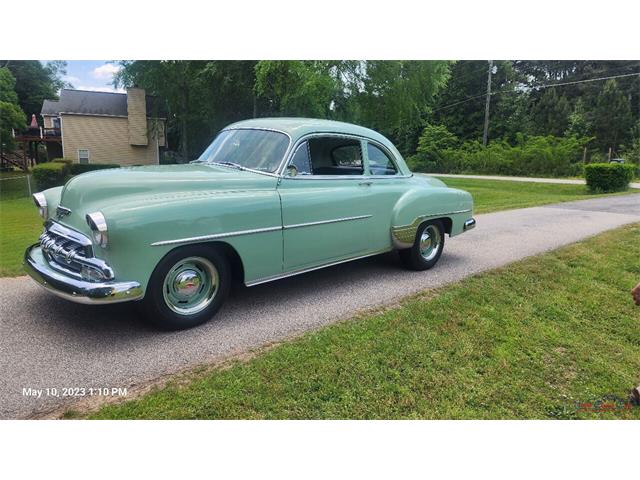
95 75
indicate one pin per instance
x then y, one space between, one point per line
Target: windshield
243 148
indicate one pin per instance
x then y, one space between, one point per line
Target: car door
326 209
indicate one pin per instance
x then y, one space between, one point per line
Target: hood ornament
62 211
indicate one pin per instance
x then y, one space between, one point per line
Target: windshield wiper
230 164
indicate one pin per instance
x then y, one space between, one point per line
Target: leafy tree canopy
36 82
11 115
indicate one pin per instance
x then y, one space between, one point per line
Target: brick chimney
137 113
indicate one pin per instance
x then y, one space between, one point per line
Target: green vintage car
268 199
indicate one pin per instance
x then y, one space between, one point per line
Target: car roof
299 127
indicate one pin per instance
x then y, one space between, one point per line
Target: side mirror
292 171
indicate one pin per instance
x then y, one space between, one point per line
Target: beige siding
137 112
107 139
48 121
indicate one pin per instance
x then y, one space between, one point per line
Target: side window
379 161
301 159
347 156
335 155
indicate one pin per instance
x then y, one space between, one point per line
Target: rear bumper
469 224
76 290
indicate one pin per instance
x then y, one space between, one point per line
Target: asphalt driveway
49 343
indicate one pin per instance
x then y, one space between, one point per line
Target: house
99 127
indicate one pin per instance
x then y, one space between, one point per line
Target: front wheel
187 288
427 247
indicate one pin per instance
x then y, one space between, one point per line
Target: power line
584 81
532 87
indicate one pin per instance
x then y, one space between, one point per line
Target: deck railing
35 133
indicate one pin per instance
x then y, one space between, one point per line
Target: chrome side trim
311 269
404 236
215 236
324 222
346 177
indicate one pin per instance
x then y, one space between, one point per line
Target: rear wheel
187 287
427 247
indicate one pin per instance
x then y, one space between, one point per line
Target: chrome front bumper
78 291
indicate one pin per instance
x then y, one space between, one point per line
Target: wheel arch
419 205
235 261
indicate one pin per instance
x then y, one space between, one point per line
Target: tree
296 88
579 122
202 96
436 138
11 115
396 97
461 104
36 82
612 119
550 115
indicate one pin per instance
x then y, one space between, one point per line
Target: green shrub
78 168
51 174
550 156
67 161
608 177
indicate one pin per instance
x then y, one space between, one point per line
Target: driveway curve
46 342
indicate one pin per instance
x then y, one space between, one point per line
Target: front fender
141 234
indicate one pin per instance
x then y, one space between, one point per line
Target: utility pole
486 107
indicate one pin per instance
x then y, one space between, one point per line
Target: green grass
531 340
20 226
494 195
14 185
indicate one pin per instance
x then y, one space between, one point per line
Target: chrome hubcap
430 242
187 283
191 285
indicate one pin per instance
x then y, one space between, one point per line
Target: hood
112 185
152 184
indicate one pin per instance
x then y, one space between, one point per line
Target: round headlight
98 225
41 202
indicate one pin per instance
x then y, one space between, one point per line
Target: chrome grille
69 252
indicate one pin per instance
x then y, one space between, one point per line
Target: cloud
101 89
106 71
71 79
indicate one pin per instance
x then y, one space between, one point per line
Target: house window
56 123
83 156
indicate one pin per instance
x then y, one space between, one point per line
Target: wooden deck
28 139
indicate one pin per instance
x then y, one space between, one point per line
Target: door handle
366 184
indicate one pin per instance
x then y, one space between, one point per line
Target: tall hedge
59 170
608 177
78 168
51 174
